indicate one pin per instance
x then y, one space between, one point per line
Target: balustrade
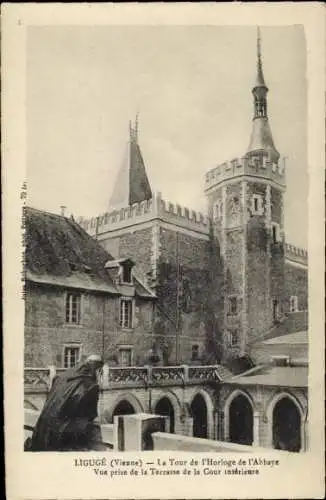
37 378
41 378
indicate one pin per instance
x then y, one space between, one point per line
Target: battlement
296 254
155 208
257 166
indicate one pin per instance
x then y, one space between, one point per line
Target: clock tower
245 205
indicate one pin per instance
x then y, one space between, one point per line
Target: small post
105 376
185 373
52 374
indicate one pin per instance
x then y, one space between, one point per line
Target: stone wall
181 290
46 331
262 400
296 284
137 244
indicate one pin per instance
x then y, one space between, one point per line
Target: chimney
63 209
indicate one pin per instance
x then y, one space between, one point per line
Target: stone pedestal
133 432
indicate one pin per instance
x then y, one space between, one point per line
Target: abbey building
225 279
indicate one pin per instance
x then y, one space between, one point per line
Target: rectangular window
293 304
73 308
126 313
195 352
125 356
233 305
233 338
71 356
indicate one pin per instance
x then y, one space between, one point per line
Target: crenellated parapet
155 208
296 254
256 166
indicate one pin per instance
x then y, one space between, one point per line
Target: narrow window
126 313
233 305
257 204
275 310
217 210
73 308
275 233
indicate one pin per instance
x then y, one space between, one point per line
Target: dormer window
126 274
121 270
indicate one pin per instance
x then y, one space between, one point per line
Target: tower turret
261 140
245 204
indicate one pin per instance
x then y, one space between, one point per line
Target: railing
40 379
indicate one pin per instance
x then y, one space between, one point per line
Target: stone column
256 422
304 435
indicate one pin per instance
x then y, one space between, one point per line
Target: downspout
177 302
103 328
96 227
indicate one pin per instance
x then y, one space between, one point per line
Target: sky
192 89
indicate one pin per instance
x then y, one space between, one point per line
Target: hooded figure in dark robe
66 422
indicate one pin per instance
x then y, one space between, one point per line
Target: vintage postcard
163 201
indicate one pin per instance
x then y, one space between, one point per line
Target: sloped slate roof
283 376
142 290
60 252
290 338
292 323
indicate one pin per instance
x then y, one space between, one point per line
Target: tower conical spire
132 184
261 136
260 82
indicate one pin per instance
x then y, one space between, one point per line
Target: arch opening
286 425
199 414
123 408
241 421
165 408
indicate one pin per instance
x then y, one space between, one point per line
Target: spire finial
136 126
130 130
258 46
260 82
